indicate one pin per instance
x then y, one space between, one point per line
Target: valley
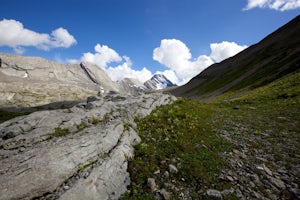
231 132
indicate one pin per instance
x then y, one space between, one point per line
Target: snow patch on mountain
157 82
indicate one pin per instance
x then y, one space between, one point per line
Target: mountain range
241 143
34 81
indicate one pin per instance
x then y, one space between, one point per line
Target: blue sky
138 38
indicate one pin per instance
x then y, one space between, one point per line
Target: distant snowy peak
157 82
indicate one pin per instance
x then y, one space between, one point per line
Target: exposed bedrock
75 153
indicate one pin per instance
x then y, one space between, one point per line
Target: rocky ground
189 150
241 151
75 153
265 163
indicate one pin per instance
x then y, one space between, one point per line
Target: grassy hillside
274 57
246 147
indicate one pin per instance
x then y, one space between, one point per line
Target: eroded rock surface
34 81
75 153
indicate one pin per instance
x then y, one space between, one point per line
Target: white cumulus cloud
281 5
102 56
125 70
176 56
14 35
105 55
172 53
62 38
225 49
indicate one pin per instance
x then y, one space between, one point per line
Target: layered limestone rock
75 153
33 81
132 86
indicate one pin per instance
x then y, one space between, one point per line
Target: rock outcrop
33 81
75 153
132 86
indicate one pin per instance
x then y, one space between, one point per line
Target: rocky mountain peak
158 81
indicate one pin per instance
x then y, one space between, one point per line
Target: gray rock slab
35 162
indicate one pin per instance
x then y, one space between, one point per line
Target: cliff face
32 81
132 86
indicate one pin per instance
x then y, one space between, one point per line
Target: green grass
181 134
286 88
127 126
101 120
59 132
257 71
187 134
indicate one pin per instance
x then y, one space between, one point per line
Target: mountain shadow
275 56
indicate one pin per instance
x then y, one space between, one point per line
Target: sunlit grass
187 133
181 134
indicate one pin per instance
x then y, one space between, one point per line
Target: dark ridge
275 56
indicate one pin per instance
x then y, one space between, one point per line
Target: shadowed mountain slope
273 57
